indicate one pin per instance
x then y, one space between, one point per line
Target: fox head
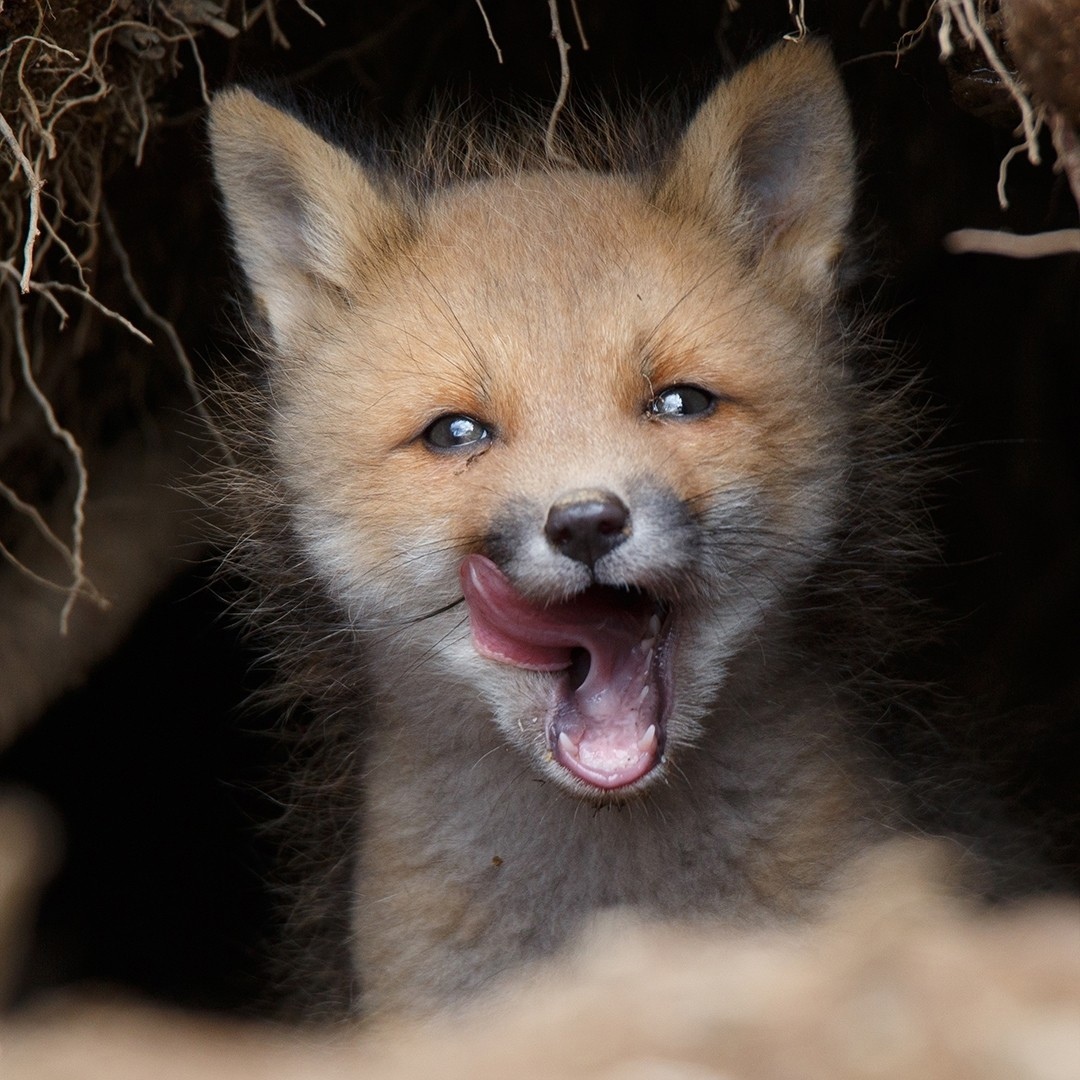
559 440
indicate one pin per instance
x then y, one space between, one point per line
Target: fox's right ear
307 222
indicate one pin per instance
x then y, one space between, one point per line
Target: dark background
161 773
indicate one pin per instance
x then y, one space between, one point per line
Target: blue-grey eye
682 402
455 432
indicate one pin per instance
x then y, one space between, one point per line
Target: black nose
586 525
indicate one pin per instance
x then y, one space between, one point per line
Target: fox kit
566 500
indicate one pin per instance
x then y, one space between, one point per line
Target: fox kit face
556 440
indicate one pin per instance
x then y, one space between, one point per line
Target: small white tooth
644 694
565 744
648 659
648 740
654 626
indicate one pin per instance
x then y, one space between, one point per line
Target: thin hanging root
798 15
34 184
53 541
579 25
1014 245
80 583
188 35
490 32
550 149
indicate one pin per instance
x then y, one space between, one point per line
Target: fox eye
455 432
680 402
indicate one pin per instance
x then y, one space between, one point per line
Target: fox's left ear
769 161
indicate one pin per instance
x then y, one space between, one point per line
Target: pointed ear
308 225
769 161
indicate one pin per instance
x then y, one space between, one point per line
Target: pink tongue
607 730
506 627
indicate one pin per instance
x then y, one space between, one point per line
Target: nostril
587 525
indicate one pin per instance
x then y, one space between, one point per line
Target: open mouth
613 649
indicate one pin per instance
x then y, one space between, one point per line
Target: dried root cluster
80 92
1026 53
